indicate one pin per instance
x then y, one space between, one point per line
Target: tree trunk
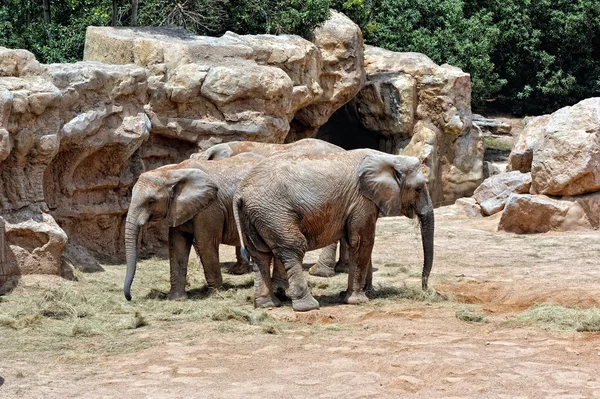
134 12
47 18
47 11
114 12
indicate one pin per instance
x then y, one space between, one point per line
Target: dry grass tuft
554 317
407 293
465 314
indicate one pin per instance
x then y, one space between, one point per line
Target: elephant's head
397 186
166 192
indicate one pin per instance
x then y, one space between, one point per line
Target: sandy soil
383 350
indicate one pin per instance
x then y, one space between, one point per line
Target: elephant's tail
237 205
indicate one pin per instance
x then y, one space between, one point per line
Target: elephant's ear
219 151
191 191
382 182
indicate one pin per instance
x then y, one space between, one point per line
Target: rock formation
75 137
412 106
561 153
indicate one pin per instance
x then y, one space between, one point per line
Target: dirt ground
383 349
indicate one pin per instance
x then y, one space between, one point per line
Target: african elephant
326 266
289 204
196 199
231 148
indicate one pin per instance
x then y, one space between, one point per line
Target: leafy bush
528 56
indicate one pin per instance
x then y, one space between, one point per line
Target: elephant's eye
151 200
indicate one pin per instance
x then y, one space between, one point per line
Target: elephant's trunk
427 231
132 230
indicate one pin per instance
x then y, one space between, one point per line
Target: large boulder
204 90
567 158
521 155
526 213
418 108
340 43
492 194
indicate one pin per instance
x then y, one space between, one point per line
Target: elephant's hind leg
179 252
302 300
279 280
263 291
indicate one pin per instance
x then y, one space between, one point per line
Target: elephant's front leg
241 266
325 266
207 244
180 244
343 264
359 255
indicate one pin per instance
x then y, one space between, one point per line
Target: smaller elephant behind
196 199
232 148
326 265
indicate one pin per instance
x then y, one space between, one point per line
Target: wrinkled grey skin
291 204
326 265
196 199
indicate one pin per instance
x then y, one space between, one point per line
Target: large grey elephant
196 199
289 204
326 265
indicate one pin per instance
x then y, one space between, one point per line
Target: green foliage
440 30
22 26
548 51
529 56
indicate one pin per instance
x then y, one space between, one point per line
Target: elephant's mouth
409 211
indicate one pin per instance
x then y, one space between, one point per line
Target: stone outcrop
567 158
204 90
69 132
521 156
526 213
342 75
562 153
412 106
492 194
75 137
492 127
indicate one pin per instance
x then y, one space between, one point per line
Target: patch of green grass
495 144
465 314
555 317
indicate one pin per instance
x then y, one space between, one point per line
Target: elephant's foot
321 270
267 302
240 268
342 267
304 304
176 295
356 298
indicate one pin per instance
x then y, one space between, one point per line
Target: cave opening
345 130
